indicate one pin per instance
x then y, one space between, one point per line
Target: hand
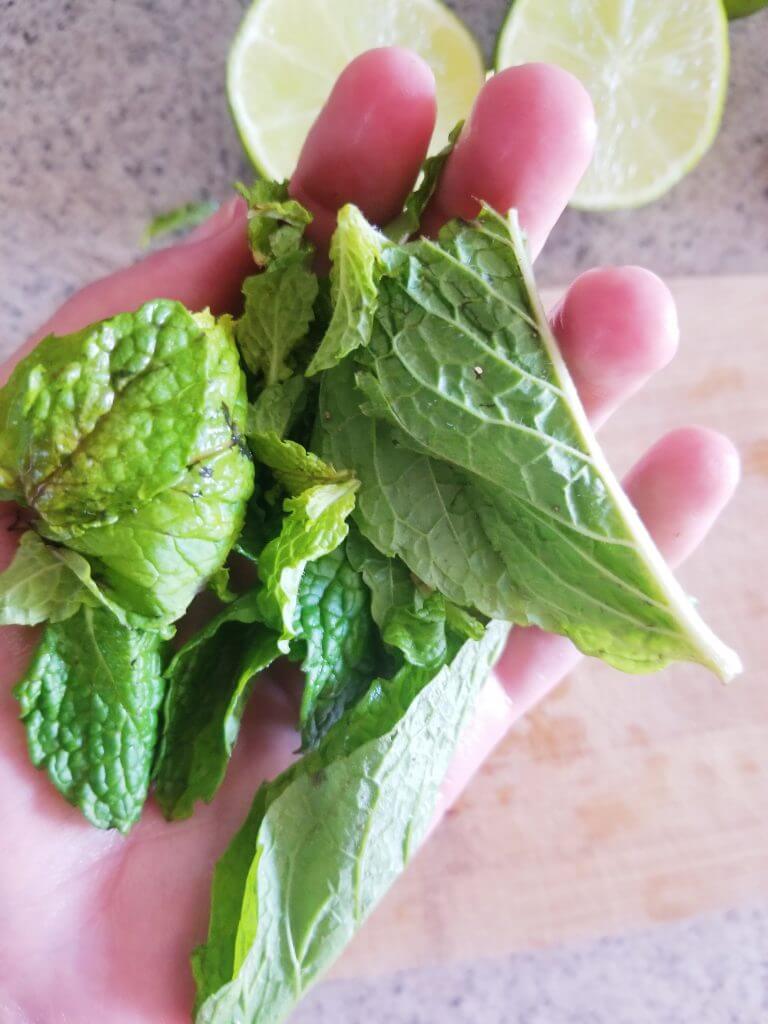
97 926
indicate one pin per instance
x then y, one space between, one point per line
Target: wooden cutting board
624 800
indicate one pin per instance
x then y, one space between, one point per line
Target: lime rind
606 193
427 26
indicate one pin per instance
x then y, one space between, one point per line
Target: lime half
657 72
287 55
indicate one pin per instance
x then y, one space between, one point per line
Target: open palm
96 926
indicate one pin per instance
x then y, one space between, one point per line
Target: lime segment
657 73
287 55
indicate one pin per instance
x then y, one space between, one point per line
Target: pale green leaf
126 439
44 582
294 466
315 523
356 266
326 839
180 219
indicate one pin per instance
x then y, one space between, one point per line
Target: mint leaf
295 467
276 222
337 641
180 219
209 681
89 702
44 582
157 559
277 407
126 439
409 221
411 617
279 301
219 585
315 524
278 311
356 265
478 467
326 839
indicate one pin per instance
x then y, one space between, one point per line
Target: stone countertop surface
113 112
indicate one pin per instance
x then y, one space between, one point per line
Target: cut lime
288 53
657 73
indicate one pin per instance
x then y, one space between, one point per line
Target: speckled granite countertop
112 112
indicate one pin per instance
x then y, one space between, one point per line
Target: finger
206 269
615 327
693 471
526 144
369 140
679 488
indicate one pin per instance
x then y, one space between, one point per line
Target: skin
97 926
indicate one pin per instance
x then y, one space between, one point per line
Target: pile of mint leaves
375 475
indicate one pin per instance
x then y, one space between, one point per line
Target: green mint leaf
126 439
337 640
276 223
209 681
278 311
315 524
356 266
478 467
180 219
262 524
295 467
219 584
89 702
278 407
156 560
410 616
326 839
409 221
44 582
279 301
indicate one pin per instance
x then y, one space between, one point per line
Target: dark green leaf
90 703
409 221
315 524
337 640
411 617
209 681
